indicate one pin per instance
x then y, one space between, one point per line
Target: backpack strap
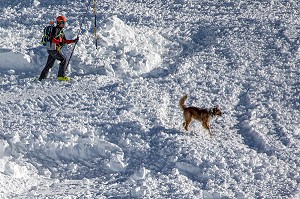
53 32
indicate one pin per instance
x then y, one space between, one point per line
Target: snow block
10 60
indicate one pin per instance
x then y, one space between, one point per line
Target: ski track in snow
115 130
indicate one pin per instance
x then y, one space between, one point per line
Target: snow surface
115 130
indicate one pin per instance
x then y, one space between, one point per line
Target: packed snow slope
115 130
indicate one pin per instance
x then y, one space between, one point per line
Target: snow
115 130
18 60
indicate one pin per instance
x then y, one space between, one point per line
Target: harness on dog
211 112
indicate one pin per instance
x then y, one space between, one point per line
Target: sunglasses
62 22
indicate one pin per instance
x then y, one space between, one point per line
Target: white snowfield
115 130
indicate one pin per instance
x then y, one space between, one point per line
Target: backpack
47 34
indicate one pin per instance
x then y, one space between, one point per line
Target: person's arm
70 41
57 41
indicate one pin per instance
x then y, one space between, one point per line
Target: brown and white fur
203 115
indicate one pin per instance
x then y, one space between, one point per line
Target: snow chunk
10 60
36 3
3 145
13 169
136 52
140 174
116 164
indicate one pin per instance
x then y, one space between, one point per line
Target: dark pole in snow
95 25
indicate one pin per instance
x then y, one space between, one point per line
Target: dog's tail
181 102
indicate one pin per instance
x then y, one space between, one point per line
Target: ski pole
95 24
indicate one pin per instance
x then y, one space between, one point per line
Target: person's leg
63 65
48 66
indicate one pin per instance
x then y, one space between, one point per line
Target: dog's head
216 111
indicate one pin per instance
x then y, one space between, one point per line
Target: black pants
55 55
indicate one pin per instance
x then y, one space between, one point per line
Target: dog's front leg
210 132
207 126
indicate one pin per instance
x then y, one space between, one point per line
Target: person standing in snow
58 40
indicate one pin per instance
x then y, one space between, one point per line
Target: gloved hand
58 46
76 40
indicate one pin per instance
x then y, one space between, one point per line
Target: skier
57 41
